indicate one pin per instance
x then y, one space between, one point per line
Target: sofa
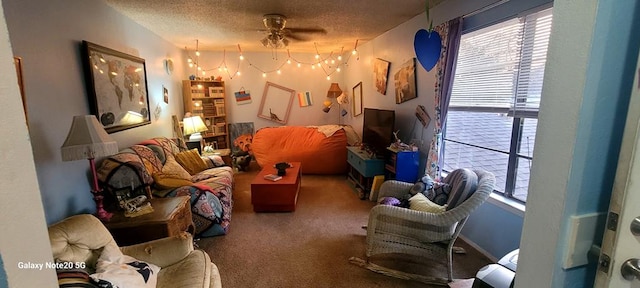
157 167
321 149
83 246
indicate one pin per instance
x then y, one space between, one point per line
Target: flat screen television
377 129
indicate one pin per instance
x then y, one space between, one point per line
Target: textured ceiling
220 24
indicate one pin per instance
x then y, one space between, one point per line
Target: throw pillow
439 193
173 167
419 202
74 278
191 161
115 269
169 181
389 201
425 183
463 183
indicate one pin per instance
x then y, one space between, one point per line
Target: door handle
631 269
635 226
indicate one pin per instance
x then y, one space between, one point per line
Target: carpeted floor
311 246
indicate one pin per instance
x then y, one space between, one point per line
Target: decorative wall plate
168 66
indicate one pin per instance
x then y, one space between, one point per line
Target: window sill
505 203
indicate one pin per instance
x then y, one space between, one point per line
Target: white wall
47 35
299 79
590 71
561 104
24 236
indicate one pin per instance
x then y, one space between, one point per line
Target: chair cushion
419 202
79 238
463 183
192 271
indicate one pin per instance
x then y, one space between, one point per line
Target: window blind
501 67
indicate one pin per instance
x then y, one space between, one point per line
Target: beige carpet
311 246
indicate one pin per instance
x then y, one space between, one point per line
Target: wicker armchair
394 229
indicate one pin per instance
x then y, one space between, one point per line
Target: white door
619 264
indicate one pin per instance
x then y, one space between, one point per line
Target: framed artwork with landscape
117 87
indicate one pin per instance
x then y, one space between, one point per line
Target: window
492 117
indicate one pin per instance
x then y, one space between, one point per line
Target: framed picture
405 80
357 99
381 74
117 87
274 98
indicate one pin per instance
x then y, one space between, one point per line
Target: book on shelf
272 177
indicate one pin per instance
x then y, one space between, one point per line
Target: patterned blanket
211 191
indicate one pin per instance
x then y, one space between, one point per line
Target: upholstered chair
393 229
83 238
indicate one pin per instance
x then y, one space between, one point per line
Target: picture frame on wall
357 99
276 103
405 81
381 75
116 86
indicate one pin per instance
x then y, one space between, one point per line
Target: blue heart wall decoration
427 46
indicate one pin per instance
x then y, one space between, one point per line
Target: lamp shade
193 125
334 91
87 139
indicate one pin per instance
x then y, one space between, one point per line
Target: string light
330 66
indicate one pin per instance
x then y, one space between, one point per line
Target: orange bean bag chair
318 153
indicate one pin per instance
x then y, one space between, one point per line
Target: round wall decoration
168 66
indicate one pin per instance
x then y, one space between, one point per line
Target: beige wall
24 236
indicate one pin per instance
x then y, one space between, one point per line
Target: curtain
450 33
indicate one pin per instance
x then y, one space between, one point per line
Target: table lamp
193 126
87 139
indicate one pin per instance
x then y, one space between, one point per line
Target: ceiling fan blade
306 30
296 37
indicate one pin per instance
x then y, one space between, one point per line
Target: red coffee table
276 196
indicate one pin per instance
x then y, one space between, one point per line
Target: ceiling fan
278 34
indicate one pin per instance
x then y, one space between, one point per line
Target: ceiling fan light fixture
275 40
